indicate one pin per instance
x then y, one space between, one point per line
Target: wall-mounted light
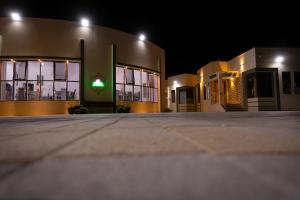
15 16
85 22
97 82
142 37
279 59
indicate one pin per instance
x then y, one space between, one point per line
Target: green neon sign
98 83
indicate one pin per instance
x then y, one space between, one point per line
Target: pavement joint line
11 137
55 150
187 139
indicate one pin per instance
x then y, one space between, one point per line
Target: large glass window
33 70
128 93
297 82
60 71
47 71
73 91
7 71
47 90
20 73
136 85
60 90
260 84
137 93
73 72
119 75
34 80
6 90
286 83
120 92
129 76
20 90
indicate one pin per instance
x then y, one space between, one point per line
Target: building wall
34 108
265 58
58 38
179 81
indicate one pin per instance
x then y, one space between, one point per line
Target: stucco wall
181 80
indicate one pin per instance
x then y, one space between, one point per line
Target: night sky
191 33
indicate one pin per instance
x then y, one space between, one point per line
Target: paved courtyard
238 155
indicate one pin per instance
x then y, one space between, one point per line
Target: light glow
15 16
98 83
84 22
279 59
142 37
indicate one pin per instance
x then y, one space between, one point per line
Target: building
183 93
49 65
260 79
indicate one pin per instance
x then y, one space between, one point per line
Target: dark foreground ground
174 156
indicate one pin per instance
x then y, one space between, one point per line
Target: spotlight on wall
84 22
142 37
279 59
15 16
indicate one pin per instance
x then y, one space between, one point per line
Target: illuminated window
136 85
34 80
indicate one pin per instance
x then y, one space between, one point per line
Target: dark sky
192 33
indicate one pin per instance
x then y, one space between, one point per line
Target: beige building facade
49 65
260 79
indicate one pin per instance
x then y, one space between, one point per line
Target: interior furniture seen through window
134 84
39 80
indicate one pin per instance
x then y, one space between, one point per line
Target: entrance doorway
185 99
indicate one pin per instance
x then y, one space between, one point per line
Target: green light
98 84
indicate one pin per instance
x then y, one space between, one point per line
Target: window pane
251 85
33 70
119 75
73 90
73 71
155 81
47 71
129 76
137 77
265 84
173 96
155 95
128 93
190 96
7 71
137 93
60 71
144 79
146 95
151 79
152 94
6 90
60 90
297 82
47 90
20 90
119 92
182 97
20 70
286 83
33 90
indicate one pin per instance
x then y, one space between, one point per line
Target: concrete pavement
236 155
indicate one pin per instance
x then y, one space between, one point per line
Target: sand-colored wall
34 108
176 81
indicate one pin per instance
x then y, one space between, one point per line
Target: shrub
80 109
123 108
